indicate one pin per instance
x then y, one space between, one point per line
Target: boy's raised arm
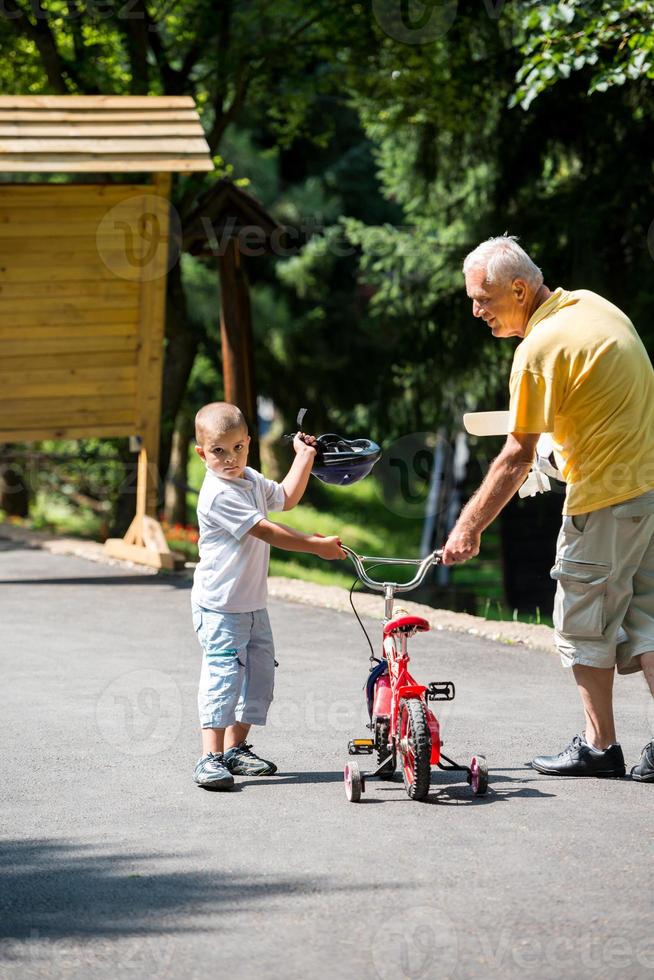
295 481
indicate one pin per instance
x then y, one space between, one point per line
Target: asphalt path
114 864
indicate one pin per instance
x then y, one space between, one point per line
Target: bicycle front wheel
415 748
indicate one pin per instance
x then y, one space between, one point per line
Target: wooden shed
83 270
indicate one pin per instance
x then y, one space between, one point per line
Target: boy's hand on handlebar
462 544
303 443
329 548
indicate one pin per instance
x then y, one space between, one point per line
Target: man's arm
295 481
288 539
504 477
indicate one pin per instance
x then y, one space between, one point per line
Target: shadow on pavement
145 580
462 795
54 889
447 789
295 779
10 544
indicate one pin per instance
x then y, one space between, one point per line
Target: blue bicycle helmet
341 462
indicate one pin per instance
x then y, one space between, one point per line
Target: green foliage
202 297
610 42
428 114
71 483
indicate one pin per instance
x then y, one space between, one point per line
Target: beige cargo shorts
604 572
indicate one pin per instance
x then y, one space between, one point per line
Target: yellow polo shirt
582 374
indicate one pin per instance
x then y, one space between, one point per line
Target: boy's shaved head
217 418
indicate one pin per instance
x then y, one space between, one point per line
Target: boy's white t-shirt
232 573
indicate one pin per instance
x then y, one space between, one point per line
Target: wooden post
144 541
237 341
153 322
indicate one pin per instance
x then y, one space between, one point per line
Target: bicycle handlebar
424 564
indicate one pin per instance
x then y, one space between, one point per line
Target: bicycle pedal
361 746
441 691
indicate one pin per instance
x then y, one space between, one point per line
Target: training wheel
478 775
353 781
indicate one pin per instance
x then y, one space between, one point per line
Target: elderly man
582 374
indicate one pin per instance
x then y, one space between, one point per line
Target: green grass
359 517
52 514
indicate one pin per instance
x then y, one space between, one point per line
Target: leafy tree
253 59
612 43
467 147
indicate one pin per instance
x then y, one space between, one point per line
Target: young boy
230 589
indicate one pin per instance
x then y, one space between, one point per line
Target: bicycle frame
401 721
404 686
395 646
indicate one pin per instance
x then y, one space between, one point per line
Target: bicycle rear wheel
415 748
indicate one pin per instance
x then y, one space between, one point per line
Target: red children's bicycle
402 724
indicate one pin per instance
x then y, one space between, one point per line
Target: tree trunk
14 492
181 347
237 342
175 509
124 506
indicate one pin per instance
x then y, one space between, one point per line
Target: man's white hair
504 261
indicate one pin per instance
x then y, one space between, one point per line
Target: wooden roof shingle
101 133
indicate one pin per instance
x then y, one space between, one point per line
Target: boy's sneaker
211 772
580 759
644 771
241 761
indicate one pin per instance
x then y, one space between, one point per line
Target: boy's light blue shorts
238 667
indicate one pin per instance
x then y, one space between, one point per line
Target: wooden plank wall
82 292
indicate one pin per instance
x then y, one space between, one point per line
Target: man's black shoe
579 759
644 771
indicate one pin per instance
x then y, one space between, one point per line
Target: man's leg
644 770
596 689
647 663
595 557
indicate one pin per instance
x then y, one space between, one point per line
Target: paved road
115 865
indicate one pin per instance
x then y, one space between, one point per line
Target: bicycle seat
403 624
